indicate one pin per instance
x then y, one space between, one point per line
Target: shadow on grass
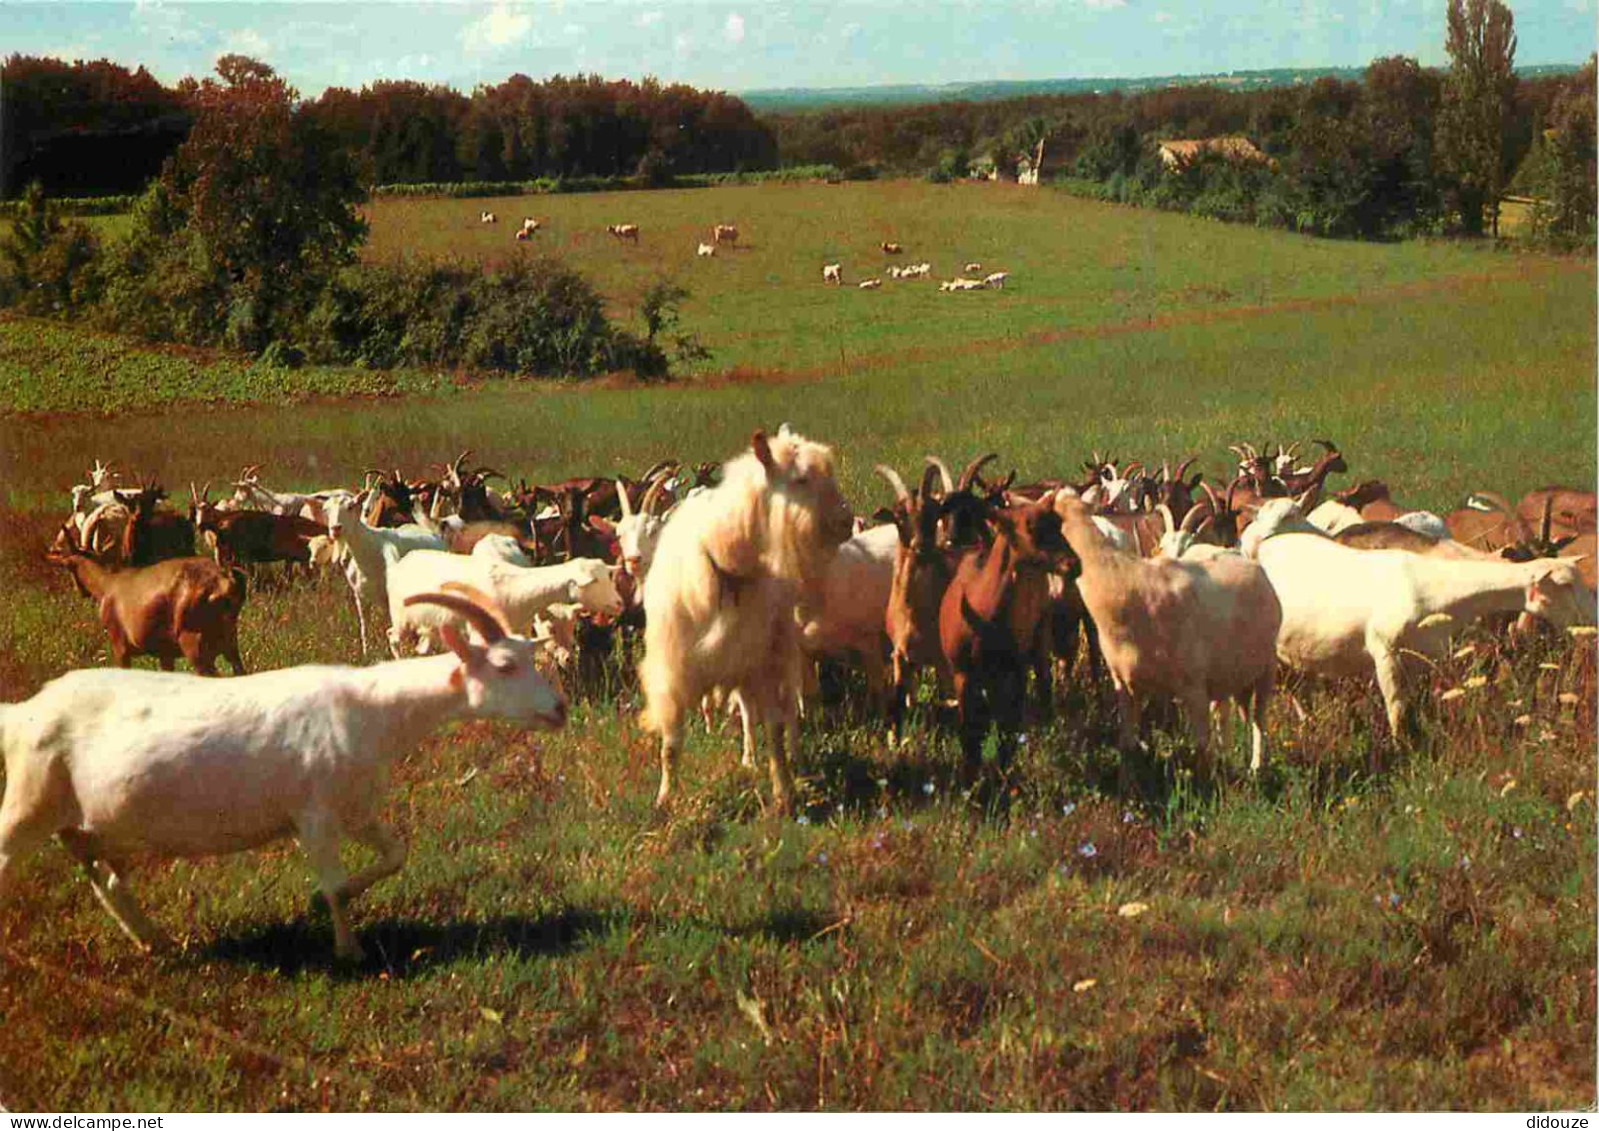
404 948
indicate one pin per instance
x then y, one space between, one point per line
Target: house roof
1237 148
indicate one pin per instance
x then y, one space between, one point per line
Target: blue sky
749 44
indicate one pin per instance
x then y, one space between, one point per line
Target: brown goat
185 607
1490 530
991 622
922 571
250 537
152 535
1569 510
1370 497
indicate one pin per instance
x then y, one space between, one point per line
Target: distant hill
780 99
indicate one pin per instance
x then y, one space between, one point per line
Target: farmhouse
1176 153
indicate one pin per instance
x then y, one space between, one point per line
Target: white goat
869 284
1199 631
122 763
706 250
833 273
370 552
521 593
722 592
500 548
996 280
1356 612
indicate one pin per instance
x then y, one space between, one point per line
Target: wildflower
1085 985
1087 850
802 819
1393 899
882 814
1128 817
1475 681
1021 740
1522 720
1464 861
1132 910
1516 832
821 858
929 788
882 783
1068 809
1452 694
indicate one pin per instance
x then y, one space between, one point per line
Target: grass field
1421 936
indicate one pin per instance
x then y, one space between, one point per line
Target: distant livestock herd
832 273
738 578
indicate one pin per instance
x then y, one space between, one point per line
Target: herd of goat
740 578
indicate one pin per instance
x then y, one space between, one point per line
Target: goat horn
1328 444
901 495
1215 503
929 474
943 474
621 498
653 493
1166 519
970 474
1182 468
1548 513
487 472
476 606
455 465
656 469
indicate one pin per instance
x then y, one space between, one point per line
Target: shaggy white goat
123 763
833 273
722 592
705 250
521 593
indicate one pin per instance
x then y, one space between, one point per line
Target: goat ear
763 451
1199 477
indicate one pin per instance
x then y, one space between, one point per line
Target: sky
754 44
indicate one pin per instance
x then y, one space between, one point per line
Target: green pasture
1361 928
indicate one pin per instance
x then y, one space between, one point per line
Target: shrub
533 316
49 267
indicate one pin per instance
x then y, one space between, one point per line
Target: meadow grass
1360 928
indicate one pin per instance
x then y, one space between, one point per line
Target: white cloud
503 26
1163 17
733 30
246 41
648 19
573 30
682 43
1104 5
849 31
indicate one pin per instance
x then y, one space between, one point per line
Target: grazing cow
487 218
892 248
623 231
724 233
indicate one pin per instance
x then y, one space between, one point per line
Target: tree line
249 239
1403 150
96 128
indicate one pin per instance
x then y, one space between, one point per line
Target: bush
534 316
48 267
